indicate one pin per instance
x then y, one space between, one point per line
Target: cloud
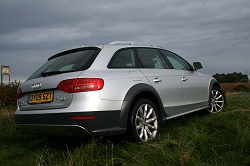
213 32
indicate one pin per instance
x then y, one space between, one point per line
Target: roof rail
133 43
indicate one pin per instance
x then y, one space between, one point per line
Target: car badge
36 86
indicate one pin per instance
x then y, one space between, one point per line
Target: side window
151 58
123 59
176 61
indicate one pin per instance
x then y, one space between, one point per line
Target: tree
231 77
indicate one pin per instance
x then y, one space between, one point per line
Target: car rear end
59 100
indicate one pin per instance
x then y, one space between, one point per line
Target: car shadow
71 143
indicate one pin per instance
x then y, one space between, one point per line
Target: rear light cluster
19 93
81 85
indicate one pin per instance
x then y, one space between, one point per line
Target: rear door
123 72
166 81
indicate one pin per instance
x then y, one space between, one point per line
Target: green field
222 139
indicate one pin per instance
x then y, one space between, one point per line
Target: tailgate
42 93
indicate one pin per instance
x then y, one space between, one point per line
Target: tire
217 101
143 121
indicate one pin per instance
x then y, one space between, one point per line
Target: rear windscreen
68 61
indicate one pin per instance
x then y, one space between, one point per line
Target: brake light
81 85
19 93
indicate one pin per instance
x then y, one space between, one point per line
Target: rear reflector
81 85
82 117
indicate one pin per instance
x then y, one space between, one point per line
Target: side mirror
197 65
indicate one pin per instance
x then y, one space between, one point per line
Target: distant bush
241 88
8 94
231 77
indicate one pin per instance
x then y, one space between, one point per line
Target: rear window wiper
44 74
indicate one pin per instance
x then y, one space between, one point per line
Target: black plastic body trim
104 123
130 98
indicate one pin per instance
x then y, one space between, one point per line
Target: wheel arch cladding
134 93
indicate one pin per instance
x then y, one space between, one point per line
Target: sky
215 32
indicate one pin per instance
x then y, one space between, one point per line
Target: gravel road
240 95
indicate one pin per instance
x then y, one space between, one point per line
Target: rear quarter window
124 58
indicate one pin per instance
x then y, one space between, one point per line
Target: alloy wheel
217 101
146 122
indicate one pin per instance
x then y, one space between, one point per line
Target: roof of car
115 43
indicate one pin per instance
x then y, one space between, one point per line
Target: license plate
42 97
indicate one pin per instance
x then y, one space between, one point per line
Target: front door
195 92
166 81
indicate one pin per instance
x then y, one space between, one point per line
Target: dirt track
240 95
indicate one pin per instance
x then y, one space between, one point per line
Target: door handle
157 80
184 79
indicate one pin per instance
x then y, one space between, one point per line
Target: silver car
112 89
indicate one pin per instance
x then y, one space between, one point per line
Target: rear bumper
61 124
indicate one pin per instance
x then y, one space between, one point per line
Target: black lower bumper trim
60 124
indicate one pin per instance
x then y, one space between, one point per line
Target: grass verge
221 139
